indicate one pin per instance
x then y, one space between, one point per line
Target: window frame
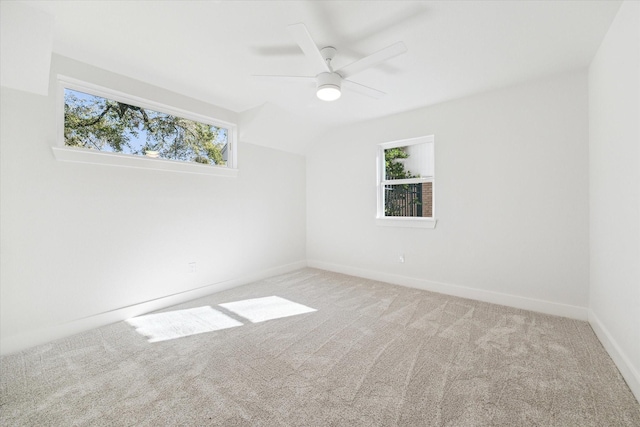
404 221
83 155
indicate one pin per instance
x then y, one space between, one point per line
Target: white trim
93 89
532 304
84 155
402 221
16 343
626 368
419 180
408 142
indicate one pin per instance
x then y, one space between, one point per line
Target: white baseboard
541 306
626 368
19 342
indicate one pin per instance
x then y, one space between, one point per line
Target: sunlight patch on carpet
260 309
181 323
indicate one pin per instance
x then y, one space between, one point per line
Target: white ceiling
210 49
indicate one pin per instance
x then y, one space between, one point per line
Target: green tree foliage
393 168
107 125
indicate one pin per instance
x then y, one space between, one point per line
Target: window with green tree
405 186
109 125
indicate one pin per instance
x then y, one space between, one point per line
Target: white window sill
407 222
83 155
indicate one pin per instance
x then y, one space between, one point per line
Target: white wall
81 240
511 199
614 179
26 39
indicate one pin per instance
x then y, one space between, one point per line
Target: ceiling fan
329 82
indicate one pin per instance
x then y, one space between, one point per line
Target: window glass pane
102 124
395 160
412 161
409 200
420 159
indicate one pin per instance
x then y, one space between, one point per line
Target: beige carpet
372 354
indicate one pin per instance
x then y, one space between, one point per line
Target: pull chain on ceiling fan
329 82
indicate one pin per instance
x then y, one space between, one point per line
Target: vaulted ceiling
209 50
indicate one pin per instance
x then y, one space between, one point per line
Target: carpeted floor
372 354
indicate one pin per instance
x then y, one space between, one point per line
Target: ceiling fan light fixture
328 86
328 92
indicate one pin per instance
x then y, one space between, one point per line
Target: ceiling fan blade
302 36
373 59
362 89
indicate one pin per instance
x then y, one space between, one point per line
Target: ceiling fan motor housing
329 79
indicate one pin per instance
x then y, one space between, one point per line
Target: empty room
320 213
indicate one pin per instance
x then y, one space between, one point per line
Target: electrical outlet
401 258
192 267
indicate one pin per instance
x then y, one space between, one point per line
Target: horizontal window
105 121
